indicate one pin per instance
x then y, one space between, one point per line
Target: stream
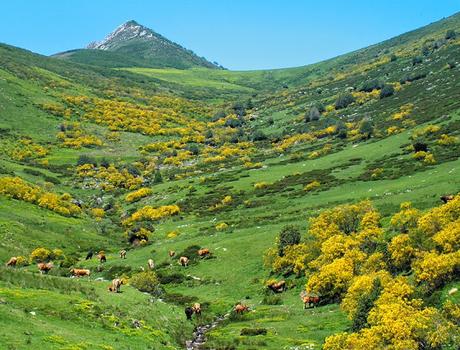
199 335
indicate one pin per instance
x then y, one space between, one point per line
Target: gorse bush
146 281
17 188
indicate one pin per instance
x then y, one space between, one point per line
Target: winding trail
199 336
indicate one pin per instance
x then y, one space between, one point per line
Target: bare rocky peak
127 31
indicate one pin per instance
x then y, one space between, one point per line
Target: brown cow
45 267
12 262
241 308
278 287
115 286
197 308
80 272
311 301
183 260
101 256
151 264
203 252
123 254
447 198
171 253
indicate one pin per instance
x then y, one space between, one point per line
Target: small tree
341 130
194 149
387 91
344 100
371 84
157 178
365 304
313 114
259 135
289 235
85 159
218 115
450 34
416 60
366 128
239 108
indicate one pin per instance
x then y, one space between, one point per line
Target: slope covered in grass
163 160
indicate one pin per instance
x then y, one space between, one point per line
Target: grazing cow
203 252
101 256
241 308
197 308
171 253
123 254
89 255
115 286
447 198
12 262
278 287
80 272
188 312
45 267
183 260
311 301
150 264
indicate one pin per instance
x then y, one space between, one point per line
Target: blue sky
239 34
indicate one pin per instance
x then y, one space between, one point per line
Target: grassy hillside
153 160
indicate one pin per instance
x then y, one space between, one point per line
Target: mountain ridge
134 44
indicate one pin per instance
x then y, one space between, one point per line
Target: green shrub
171 278
450 34
371 84
116 271
146 281
272 300
179 299
85 159
313 114
259 135
388 90
253 331
344 100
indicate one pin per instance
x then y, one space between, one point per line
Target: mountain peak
125 32
136 42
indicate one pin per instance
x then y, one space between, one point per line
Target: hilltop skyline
238 35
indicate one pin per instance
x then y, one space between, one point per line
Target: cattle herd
195 309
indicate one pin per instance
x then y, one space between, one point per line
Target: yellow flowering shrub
406 218
394 130
401 250
261 185
26 149
360 286
109 178
40 255
295 258
312 186
136 195
448 239
404 111
438 218
221 226
98 213
153 214
332 279
434 268
446 140
17 188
